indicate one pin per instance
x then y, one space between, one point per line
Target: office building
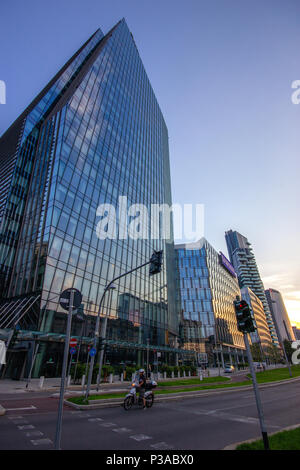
94 134
262 334
243 260
296 332
207 289
281 320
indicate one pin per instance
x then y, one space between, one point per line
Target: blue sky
222 72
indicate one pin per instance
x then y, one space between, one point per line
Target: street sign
73 342
92 352
72 350
64 299
202 358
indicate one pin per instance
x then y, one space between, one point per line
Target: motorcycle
132 398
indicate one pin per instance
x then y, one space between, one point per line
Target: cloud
294 295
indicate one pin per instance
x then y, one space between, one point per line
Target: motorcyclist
142 386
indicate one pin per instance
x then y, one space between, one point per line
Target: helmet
142 371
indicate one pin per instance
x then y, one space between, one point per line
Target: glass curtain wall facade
206 294
262 335
96 133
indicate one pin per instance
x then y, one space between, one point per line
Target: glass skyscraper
207 288
95 133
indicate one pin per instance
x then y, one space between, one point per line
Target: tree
256 352
288 349
274 354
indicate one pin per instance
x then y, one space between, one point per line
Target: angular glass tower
95 133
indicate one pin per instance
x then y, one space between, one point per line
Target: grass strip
82 400
283 440
277 374
262 377
193 381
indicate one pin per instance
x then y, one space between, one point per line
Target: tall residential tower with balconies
243 259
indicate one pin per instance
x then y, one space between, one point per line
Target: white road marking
95 419
27 426
15 417
34 434
20 409
161 446
121 430
226 416
39 442
20 421
140 437
108 425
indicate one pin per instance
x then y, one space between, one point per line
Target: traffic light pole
257 395
63 375
103 336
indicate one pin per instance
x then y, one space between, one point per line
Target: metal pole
98 324
89 381
78 352
63 375
102 345
32 363
69 365
257 395
147 357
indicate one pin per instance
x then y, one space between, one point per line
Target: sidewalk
53 384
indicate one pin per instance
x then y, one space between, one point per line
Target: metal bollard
82 380
41 382
111 378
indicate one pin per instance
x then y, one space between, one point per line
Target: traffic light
155 262
244 317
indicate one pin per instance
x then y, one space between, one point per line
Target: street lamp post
155 263
109 286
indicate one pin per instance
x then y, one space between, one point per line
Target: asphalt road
209 422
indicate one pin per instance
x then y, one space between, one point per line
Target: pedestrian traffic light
155 262
244 316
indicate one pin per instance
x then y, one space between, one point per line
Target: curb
112 402
2 411
249 441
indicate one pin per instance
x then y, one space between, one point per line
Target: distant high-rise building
243 260
296 332
207 289
95 133
262 333
281 320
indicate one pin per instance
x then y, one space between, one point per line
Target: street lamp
109 286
